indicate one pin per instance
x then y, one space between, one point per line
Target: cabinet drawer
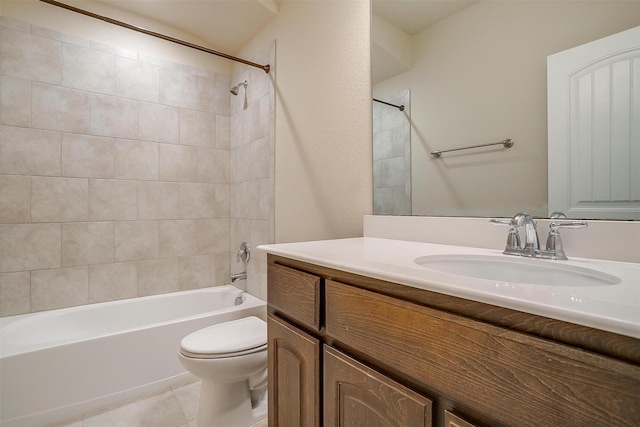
295 294
357 395
509 378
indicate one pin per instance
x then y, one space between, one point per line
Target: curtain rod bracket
266 68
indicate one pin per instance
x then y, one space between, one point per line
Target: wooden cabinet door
355 395
452 420
294 376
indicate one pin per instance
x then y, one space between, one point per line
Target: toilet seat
230 339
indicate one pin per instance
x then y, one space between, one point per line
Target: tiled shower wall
392 156
115 172
252 168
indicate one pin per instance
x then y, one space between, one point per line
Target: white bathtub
58 364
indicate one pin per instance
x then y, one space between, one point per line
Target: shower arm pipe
266 68
399 107
507 143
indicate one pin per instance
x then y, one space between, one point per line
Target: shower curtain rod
265 68
399 107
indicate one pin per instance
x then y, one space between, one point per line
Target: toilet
231 360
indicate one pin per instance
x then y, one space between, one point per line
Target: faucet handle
513 239
554 242
244 253
557 215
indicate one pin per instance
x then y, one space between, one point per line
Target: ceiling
413 16
227 25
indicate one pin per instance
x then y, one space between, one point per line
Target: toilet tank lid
229 337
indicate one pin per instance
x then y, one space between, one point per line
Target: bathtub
59 364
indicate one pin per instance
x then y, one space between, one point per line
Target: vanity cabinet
396 355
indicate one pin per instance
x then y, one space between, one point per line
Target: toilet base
228 404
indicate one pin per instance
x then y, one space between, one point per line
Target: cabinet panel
296 294
512 378
294 371
451 420
355 395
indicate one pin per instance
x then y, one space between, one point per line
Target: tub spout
238 276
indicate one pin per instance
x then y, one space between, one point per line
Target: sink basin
516 270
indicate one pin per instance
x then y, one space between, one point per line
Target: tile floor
176 406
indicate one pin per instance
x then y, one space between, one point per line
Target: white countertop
613 308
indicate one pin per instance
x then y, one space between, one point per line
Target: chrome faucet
531 241
531 247
238 276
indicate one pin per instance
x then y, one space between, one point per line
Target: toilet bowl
231 359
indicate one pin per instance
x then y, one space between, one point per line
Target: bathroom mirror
476 72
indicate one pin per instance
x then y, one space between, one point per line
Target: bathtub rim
249 299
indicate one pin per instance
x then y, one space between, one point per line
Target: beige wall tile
88 69
84 243
213 94
177 163
58 288
29 151
113 116
178 238
223 135
213 165
158 123
260 158
213 236
14 199
136 159
29 247
197 200
197 128
58 108
178 89
222 201
59 199
111 200
119 52
221 268
137 80
110 282
55 35
235 130
184 218
136 240
241 160
158 276
255 120
15 102
15 293
87 156
196 272
158 200
30 57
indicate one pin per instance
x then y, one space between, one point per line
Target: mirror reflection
474 72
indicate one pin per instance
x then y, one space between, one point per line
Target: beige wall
480 76
323 178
